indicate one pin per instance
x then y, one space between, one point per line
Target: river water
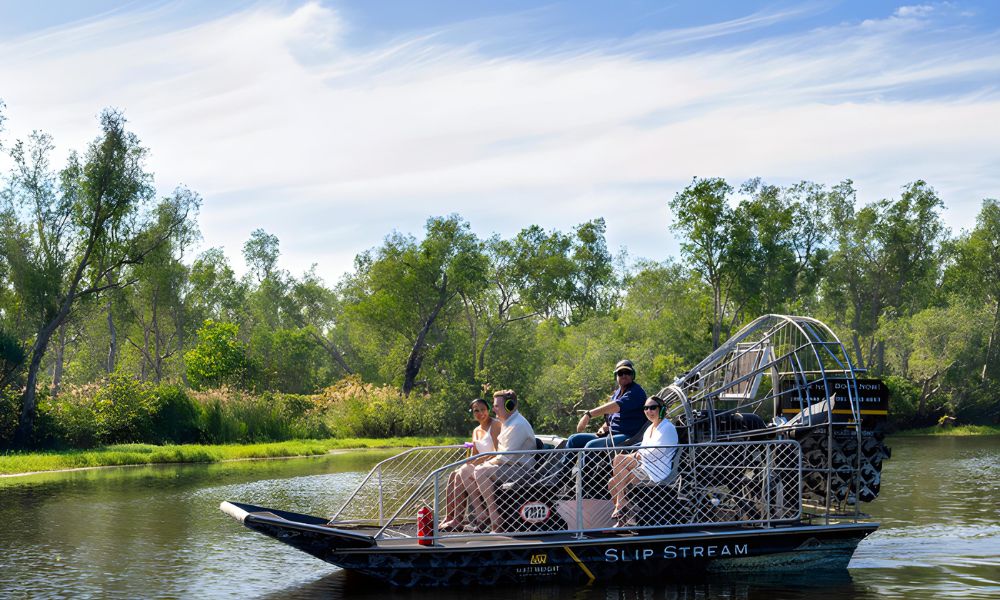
156 532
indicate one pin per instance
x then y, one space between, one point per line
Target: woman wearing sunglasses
460 483
649 463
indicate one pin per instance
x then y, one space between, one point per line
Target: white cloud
280 124
914 11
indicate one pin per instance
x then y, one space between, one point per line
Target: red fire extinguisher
425 526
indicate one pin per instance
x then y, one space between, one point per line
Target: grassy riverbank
961 430
143 454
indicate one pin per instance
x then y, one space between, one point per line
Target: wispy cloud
280 123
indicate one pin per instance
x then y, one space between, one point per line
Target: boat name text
633 554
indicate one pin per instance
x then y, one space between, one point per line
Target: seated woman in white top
484 439
648 464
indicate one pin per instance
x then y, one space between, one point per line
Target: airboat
781 441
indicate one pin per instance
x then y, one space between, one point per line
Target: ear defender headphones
662 404
509 399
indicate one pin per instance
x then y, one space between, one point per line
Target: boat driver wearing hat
623 413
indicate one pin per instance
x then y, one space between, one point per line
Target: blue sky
331 123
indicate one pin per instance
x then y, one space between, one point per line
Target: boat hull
667 555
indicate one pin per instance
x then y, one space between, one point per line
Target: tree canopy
98 283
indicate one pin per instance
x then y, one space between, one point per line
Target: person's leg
484 476
597 457
603 442
459 484
623 466
475 499
451 500
579 440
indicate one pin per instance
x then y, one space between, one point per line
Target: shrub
10 408
69 419
123 409
903 398
979 405
177 418
352 408
220 358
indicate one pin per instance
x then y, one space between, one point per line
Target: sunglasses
620 373
651 407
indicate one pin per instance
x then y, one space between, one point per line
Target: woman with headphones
460 482
648 464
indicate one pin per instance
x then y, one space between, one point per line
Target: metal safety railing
391 482
576 491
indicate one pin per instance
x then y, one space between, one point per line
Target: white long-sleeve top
657 461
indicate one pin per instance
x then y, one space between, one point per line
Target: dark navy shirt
630 418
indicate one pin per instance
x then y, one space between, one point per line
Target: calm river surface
157 532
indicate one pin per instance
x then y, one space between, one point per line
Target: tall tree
261 254
155 302
976 271
65 242
594 273
776 246
887 259
405 287
703 217
319 312
530 276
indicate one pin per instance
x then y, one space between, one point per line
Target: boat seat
664 502
544 484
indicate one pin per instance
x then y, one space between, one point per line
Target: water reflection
827 585
157 531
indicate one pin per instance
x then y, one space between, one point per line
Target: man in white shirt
515 434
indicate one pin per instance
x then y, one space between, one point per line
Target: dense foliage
110 333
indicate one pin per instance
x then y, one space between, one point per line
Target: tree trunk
992 342
57 367
717 317
113 345
333 351
29 402
144 370
416 357
157 351
179 320
859 360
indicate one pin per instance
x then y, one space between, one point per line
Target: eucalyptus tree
213 292
68 233
530 277
975 273
406 290
155 302
705 221
596 284
777 246
319 312
887 262
662 323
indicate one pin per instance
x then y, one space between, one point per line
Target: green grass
144 454
961 430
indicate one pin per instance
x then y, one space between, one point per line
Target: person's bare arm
605 409
495 432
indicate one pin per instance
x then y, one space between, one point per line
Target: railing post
579 493
768 472
434 514
381 515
